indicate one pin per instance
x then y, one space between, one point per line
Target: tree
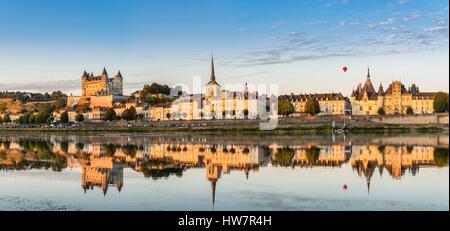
1 120
7 119
129 114
110 114
312 107
246 112
285 108
381 111
409 110
79 117
64 117
168 115
440 102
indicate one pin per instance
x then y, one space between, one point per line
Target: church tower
212 88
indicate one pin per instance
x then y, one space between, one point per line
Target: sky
300 45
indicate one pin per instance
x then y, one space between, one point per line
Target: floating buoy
344 69
345 187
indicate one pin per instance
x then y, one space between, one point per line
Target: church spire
212 78
368 72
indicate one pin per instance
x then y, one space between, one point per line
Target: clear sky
300 45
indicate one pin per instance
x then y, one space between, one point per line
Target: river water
395 172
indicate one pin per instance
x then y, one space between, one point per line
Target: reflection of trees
409 148
157 169
441 156
312 154
64 145
130 150
6 144
284 156
381 148
110 149
79 146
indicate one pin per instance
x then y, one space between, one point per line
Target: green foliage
1 120
110 115
129 114
7 119
284 156
64 145
441 156
155 88
79 117
64 117
245 112
25 97
285 108
312 154
409 110
312 107
381 111
440 102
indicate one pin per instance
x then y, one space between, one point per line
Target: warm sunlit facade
395 100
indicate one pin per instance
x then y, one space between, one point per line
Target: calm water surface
226 172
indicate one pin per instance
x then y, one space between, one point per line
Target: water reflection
102 159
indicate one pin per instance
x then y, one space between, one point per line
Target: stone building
365 100
330 103
101 85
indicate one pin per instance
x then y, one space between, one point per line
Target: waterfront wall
411 119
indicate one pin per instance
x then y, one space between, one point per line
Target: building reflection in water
102 165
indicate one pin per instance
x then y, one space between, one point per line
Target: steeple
104 71
380 90
119 75
212 78
368 72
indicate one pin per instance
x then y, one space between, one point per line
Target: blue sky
300 45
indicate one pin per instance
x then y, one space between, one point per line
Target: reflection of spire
368 187
213 187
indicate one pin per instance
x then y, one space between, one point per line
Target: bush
409 110
64 117
381 111
79 118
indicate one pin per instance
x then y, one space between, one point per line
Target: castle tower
84 78
117 84
105 85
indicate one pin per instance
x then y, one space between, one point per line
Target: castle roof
119 74
367 89
319 97
104 71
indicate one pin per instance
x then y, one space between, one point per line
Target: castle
365 100
97 92
101 85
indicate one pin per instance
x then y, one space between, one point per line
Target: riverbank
244 129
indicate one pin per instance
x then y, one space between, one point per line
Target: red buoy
344 69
